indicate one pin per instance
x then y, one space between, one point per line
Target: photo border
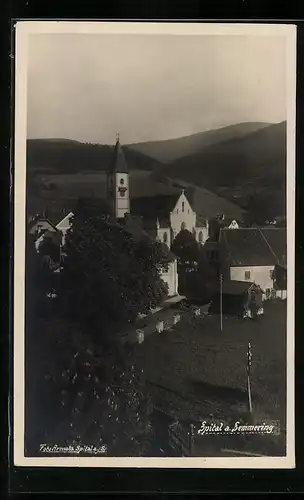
23 30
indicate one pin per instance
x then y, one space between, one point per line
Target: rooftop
255 246
118 163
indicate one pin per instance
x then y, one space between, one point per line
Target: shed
237 298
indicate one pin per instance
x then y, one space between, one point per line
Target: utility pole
221 300
249 358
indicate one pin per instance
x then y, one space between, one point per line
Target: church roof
118 163
152 207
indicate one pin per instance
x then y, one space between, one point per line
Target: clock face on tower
122 191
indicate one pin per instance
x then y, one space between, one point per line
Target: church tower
118 183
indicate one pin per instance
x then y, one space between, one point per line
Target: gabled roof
254 246
118 163
65 221
133 225
206 203
39 220
232 287
152 207
276 238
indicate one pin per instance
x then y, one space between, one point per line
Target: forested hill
170 150
63 156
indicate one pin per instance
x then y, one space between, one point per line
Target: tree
108 277
39 280
185 247
85 393
86 387
50 245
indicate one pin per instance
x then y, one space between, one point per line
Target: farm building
255 255
238 298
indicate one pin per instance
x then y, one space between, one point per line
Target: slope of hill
142 183
68 157
250 170
173 149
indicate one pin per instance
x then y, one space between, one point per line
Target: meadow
196 371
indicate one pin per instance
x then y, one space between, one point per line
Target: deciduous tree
185 247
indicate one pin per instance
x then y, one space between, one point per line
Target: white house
64 225
253 254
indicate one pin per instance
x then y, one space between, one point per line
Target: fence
162 321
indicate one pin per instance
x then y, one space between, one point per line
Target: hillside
250 170
68 188
68 157
173 149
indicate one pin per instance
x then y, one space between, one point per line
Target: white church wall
164 235
182 216
201 234
171 278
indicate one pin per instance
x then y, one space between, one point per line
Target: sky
88 87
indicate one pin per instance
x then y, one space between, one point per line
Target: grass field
198 372
69 187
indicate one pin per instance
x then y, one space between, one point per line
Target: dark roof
118 163
254 246
39 220
153 207
231 287
200 221
276 238
164 222
133 225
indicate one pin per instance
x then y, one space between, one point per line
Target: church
150 207
160 216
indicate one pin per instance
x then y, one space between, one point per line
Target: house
236 298
254 255
38 227
64 225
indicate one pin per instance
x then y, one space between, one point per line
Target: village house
256 255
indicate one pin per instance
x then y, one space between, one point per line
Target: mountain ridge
169 150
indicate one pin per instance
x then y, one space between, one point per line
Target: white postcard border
23 30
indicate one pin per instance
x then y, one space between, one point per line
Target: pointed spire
118 163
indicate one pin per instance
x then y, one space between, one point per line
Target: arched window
183 206
200 236
122 181
165 238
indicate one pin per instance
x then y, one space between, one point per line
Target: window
183 206
122 181
247 275
272 274
122 193
200 236
165 239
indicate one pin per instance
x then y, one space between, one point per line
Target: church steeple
118 182
118 163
